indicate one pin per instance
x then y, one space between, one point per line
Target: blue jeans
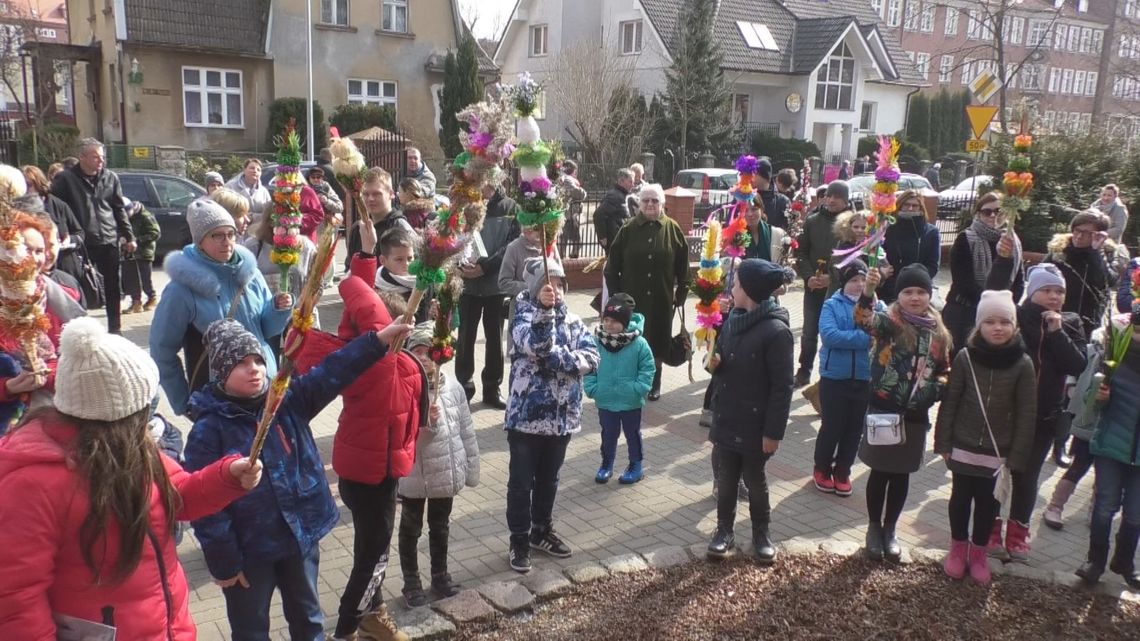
614 424
1117 485
532 482
296 578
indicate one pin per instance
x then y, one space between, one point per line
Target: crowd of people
93 483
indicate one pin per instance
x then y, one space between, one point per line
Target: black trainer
722 543
520 557
414 595
443 586
549 542
765 550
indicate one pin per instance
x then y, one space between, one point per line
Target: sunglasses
989 211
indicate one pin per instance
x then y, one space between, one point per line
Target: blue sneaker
632 474
605 472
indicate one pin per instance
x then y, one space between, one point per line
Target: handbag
890 429
91 281
1003 485
680 346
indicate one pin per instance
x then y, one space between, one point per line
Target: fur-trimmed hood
1059 242
203 276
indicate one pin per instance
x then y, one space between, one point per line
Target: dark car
267 171
166 197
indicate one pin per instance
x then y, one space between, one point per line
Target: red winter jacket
42 571
312 212
376 435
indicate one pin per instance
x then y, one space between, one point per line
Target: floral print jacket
896 367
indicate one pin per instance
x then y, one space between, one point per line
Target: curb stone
422 624
667 557
465 607
625 563
546 584
842 548
586 573
798 547
1022 571
508 597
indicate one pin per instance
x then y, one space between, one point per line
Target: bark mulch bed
815 598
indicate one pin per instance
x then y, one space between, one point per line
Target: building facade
33 86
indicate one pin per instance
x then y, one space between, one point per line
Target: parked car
267 172
952 201
166 197
711 185
861 185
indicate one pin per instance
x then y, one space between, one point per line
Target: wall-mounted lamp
135 76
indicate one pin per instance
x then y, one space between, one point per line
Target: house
384 52
821 71
156 72
25 76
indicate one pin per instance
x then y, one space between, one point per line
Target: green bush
349 119
54 142
228 166
282 109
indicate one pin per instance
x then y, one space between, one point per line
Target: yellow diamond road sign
980 117
985 85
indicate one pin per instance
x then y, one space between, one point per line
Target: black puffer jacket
775 207
1088 279
752 385
500 227
610 215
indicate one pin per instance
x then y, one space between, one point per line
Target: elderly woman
971 258
912 239
649 260
1110 205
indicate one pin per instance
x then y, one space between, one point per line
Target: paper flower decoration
708 286
883 205
286 215
539 202
1017 181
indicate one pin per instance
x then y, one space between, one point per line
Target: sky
488 15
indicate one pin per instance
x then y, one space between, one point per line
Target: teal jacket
1118 434
624 377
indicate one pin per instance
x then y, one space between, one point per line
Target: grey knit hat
421 335
535 277
214 177
204 216
228 343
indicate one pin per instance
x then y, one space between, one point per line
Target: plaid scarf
615 342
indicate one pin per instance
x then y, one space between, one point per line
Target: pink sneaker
823 482
996 546
1017 541
979 566
955 563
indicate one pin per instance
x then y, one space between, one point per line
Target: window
1014 30
923 64
1062 33
395 16
1086 40
973 25
1011 76
1031 77
951 21
946 69
1090 83
967 66
173 193
334 12
1054 80
911 21
136 188
372 92
1079 83
1098 41
1048 120
1074 38
894 12
835 81
1130 9
867 116
211 97
757 36
1038 33
630 37
1067 81
540 106
1117 86
1125 47
538 41
741 107
927 25
877 6
1086 122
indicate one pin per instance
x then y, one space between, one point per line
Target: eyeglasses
989 212
1083 233
220 236
651 200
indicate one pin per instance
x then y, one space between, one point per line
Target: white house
813 69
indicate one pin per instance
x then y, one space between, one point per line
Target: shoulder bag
997 463
890 429
680 346
90 281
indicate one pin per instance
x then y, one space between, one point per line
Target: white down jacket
447 453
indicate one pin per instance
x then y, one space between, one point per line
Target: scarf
762 241
921 321
386 281
996 356
615 342
983 239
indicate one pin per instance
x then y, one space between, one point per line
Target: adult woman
211 279
68 231
1110 205
237 206
248 184
912 239
1087 260
88 505
971 258
649 260
767 241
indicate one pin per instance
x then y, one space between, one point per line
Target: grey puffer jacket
447 452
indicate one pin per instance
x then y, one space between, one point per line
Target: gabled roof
487 66
805 32
228 26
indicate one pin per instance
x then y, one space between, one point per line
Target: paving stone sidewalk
672 506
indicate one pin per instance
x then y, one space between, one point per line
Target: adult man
574 194
418 170
248 184
845 170
376 192
483 297
1111 206
775 204
812 259
934 175
96 198
632 201
863 165
214 182
613 211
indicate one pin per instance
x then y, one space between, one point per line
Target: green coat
649 260
147 233
816 242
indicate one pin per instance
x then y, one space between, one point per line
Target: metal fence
9 143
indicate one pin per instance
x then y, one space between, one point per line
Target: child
625 374
550 351
1114 450
416 205
137 266
269 539
447 459
512 280
752 396
397 251
844 382
986 420
909 364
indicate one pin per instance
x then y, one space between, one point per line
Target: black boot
1124 555
722 543
874 543
1060 457
891 548
413 591
441 583
655 391
803 377
1092 568
765 551
443 586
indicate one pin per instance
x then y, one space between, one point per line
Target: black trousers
1024 484
532 481
137 279
412 526
889 489
976 491
844 405
491 309
809 338
734 466
373 510
106 261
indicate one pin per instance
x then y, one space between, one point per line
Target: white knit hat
101 376
996 303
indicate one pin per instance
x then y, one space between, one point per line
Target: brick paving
672 506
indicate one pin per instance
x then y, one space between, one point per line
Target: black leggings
1082 460
977 491
889 488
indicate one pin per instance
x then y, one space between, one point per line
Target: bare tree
20 25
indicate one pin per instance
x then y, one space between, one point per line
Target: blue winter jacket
624 377
1117 434
550 351
292 508
199 293
846 351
